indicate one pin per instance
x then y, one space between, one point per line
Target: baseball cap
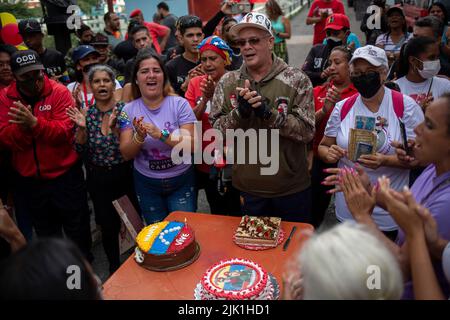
253 20
24 61
135 13
82 51
337 21
100 39
372 54
29 26
394 9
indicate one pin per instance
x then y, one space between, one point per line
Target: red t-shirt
335 6
192 95
319 93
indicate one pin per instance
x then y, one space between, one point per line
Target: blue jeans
159 197
295 207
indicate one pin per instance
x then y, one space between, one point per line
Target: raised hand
403 156
22 115
139 127
404 212
335 153
325 73
332 97
207 87
77 116
152 130
112 122
359 202
372 161
244 107
76 94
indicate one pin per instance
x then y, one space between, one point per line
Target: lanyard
441 184
87 103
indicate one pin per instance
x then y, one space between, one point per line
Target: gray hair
431 22
99 68
339 264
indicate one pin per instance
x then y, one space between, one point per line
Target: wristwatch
164 135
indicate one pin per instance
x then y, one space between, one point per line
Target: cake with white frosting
235 279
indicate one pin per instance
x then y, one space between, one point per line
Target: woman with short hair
109 175
348 262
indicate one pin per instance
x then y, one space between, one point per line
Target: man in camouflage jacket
266 93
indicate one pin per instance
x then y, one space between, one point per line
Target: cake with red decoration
166 245
237 279
258 231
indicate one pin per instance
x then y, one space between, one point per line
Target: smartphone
405 138
237 7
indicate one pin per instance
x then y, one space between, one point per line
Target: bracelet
135 139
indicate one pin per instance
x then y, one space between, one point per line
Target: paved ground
298 46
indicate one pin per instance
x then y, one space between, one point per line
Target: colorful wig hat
217 45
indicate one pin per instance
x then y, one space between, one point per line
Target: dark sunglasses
253 41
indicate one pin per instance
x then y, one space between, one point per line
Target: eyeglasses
359 73
253 41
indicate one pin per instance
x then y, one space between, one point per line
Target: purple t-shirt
434 194
154 160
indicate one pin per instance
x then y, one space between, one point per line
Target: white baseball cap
253 20
372 54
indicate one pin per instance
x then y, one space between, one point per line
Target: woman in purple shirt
154 124
431 189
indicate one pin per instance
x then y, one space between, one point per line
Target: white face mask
430 69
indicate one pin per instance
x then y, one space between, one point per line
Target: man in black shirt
169 20
179 68
141 39
53 60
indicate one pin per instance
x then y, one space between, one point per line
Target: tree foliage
20 10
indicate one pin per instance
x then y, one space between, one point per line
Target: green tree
20 10
85 5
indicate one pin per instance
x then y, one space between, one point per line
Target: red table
214 234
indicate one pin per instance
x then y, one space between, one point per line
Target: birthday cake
260 231
236 279
165 245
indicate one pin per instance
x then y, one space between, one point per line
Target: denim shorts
159 197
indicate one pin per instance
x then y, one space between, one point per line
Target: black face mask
333 43
367 84
30 85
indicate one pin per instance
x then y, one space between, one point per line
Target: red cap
337 21
135 13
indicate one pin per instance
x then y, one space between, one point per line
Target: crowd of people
104 121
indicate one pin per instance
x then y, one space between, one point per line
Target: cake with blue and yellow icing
165 244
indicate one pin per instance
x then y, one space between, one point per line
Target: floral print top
102 150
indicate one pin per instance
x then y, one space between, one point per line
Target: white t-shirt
388 130
418 91
385 40
72 86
